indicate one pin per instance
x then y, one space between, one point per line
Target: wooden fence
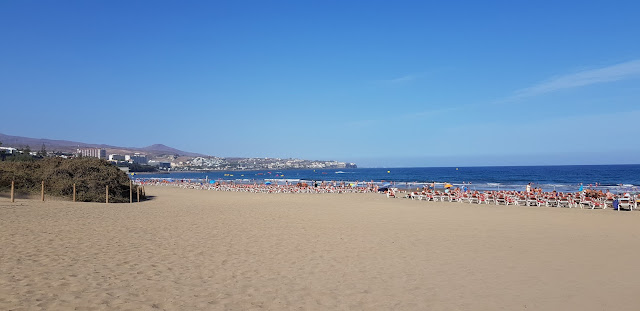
139 192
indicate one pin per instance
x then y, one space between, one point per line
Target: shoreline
616 178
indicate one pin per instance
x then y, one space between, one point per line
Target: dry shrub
90 175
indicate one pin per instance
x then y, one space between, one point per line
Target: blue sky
379 83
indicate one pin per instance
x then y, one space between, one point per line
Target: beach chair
391 193
522 201
428 197
587 202
464 198
447 197
595 203
625 203
552 202
456 198
541 201
489 199
564 202
473 199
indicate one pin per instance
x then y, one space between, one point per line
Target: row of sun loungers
547 199
511 198
261 188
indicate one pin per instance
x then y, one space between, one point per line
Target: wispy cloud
612 73
401 80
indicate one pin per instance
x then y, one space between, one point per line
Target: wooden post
42 192
74 192
107 195
12 200
130 191
138 191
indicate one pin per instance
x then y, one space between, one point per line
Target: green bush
90 175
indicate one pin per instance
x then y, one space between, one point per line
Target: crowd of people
267 187
585 198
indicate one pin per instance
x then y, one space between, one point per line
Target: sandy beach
204 250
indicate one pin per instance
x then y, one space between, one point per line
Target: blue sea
564 178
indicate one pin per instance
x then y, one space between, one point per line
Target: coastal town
137 161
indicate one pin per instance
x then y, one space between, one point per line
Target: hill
71 146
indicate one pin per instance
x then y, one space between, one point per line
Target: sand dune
201 250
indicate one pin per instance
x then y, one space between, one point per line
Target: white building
8 150
136 158
93 152
116 157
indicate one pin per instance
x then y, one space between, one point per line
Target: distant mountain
71 146
162 149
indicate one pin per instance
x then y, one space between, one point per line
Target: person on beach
528 187
609 195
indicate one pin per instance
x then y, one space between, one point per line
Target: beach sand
205 250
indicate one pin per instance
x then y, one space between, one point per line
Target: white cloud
400 80
403 79
617 72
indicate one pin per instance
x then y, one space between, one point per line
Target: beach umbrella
267 183
448 186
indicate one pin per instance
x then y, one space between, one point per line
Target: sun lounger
625 203
541 201
564 202
583 202
593 203
391 193
473 199
489 199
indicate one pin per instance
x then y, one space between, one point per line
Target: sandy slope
200 250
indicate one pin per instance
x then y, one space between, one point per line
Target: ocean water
564 178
